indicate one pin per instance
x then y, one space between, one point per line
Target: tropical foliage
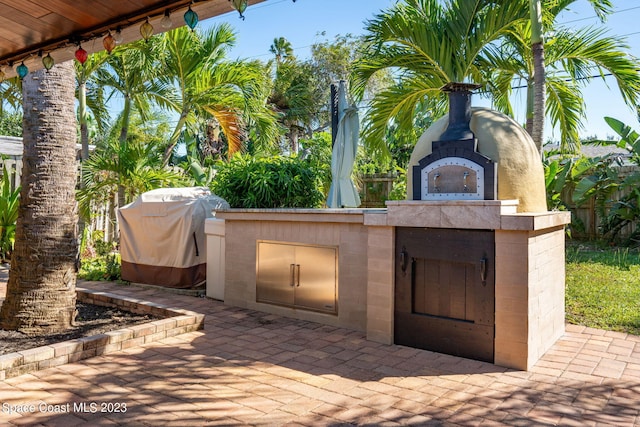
131 168
207 86
130 73
274 182
10 95
90 100
572 57
105 267
8 215
101 262
616 192
197 174
11 123
610 183
429 43
317 152
301 89
282 50
294 99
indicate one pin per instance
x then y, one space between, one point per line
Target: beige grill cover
162 240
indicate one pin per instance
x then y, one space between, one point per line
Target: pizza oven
465 166
455 170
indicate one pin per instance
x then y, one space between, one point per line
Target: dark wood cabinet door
445 291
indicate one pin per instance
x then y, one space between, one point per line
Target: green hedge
274 182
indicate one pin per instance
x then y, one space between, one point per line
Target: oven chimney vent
459 111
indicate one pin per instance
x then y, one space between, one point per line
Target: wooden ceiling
29 27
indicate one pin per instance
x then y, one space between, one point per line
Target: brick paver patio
251 368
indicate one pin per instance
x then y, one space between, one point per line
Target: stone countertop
535 220
475 203
477 214
305 210
351 215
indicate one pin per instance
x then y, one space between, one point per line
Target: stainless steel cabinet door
297 276
275 273
316 281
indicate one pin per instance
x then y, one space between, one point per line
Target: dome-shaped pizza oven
476 154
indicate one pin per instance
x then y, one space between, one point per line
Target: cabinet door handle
292 275
483 271
297 270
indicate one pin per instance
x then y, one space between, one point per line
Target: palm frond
426 44
590 51
396 105
565 108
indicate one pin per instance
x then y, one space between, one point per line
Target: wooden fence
14 169
103 218
585 217
375 189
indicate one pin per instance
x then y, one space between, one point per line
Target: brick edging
177 321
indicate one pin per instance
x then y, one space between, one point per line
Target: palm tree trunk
293 135
530 106
41 293
84 138
82 114
124 131
113 223
168 152
537 47
126 119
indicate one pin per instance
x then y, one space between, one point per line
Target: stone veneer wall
345 231
380 286
530 287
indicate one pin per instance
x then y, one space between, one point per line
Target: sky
307 21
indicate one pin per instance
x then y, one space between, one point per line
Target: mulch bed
91 320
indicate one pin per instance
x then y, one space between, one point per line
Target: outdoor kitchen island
526 266
471 264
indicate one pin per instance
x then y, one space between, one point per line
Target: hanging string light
165 22
22 70
191 18
240 6
146 30
118 36
109 43
47 62
81 55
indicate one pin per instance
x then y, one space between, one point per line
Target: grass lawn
603 287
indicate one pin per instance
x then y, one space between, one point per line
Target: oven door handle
483 271
404 256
